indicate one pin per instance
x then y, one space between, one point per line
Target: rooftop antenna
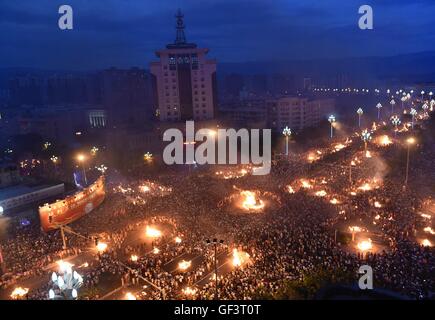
180 36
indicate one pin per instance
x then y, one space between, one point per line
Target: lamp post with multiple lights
66 285
413 114
81 158
287 133
395 120
379 107
409 142
332 120
366 136
360 112
392 102
215 242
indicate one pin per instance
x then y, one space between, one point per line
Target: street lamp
81 159
409 142
396 122
425 107
287 133
379 106
366 136
54 159
215 242
392 102
102 168
422 95
148 156
332 120
360 113
46 145
65 286
413 114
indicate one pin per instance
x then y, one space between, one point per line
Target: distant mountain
418 66
405 68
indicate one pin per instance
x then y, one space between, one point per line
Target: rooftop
18 190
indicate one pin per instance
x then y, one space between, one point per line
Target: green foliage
308 287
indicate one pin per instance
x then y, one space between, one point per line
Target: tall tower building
185 81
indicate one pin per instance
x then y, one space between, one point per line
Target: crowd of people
296 234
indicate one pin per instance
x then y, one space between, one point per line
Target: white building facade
297 113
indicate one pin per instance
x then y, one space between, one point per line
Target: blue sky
127 32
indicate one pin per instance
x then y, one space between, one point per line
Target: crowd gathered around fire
304 218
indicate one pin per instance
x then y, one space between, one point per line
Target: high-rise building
185 80
127 96
297 112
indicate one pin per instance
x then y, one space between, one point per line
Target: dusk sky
126 33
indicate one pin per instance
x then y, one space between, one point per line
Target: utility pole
64 228
62 233
215 242
409 142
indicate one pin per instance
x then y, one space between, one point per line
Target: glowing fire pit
426 243
384 141
101 247
339 147
239 258
130 296
19 293
153 232
251 202
290 189
305 184
365 245
334 201
188 291
184 265
320 193
365 187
